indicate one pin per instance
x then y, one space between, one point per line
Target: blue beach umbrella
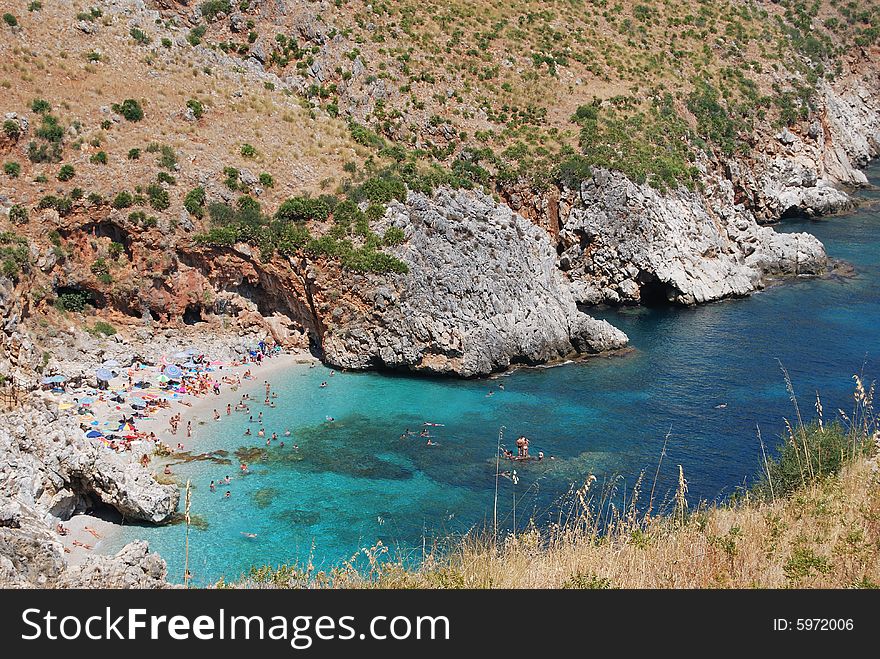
173 371
92 434
104 374
86 401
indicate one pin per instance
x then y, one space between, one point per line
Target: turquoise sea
354 481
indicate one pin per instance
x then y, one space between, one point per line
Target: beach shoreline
88 534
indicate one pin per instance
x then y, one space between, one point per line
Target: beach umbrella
104 374
191 351
163 378
92 434
111 363
86 401
173 371
181 355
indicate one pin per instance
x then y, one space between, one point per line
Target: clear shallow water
354 481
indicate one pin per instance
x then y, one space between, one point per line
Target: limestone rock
482 293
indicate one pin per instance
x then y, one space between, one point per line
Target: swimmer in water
261 433
249 535
287 433
274 436
323 384
227 495
247 432
213 487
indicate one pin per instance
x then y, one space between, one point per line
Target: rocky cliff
482 293
48 473
626 243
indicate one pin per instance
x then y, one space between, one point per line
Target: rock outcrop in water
482 293
628 243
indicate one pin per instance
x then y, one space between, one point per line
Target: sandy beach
88 534
200 409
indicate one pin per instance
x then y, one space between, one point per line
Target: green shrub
197 108
167 158
302 209
122 200
11 169
211 8
115 250
139 36
158 197
166 42
195 35
99 158
10 20
130 109
75 301
194 202
165 177
11 129
393 236
50 130
100 267
814 452
101 328
40 106
35 5
62 205
248 151
266 180
134 154
18 214
65 173
77 193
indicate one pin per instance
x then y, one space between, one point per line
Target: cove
706 376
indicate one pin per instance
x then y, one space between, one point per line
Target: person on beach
189 428
92 531
228 409
60 530
167 470
216 415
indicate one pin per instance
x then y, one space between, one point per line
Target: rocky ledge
49 466
628 243
49 473
482 293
